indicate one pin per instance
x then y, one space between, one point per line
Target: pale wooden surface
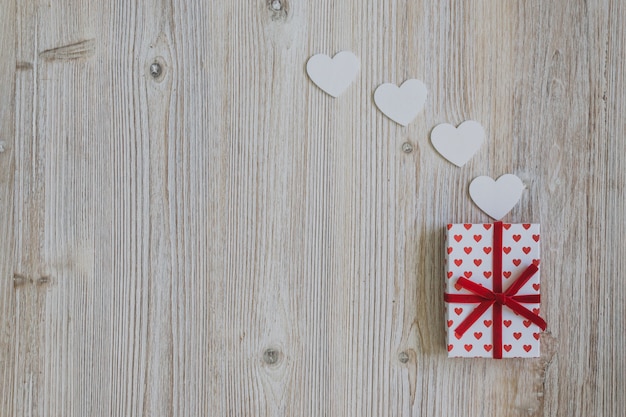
188 224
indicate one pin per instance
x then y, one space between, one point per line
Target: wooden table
215 236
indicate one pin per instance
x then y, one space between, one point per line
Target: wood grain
226 239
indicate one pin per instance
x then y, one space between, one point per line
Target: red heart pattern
469 253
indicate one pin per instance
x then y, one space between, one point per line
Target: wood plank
8 79
606 391
24 215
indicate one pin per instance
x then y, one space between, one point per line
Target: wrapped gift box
492 290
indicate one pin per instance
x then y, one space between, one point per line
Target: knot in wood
278 8
271 356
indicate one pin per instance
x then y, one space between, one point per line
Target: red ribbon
496 298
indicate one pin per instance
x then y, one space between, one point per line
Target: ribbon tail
523 311
523 279
473 317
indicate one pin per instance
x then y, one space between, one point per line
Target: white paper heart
496 198
333 75
401 104
458 144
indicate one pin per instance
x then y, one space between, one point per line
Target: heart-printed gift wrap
473 301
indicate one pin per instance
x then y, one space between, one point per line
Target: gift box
492 290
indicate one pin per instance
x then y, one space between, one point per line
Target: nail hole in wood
407 147
43 280
155 70
23 66
20 280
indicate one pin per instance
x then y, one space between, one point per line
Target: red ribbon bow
496 298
